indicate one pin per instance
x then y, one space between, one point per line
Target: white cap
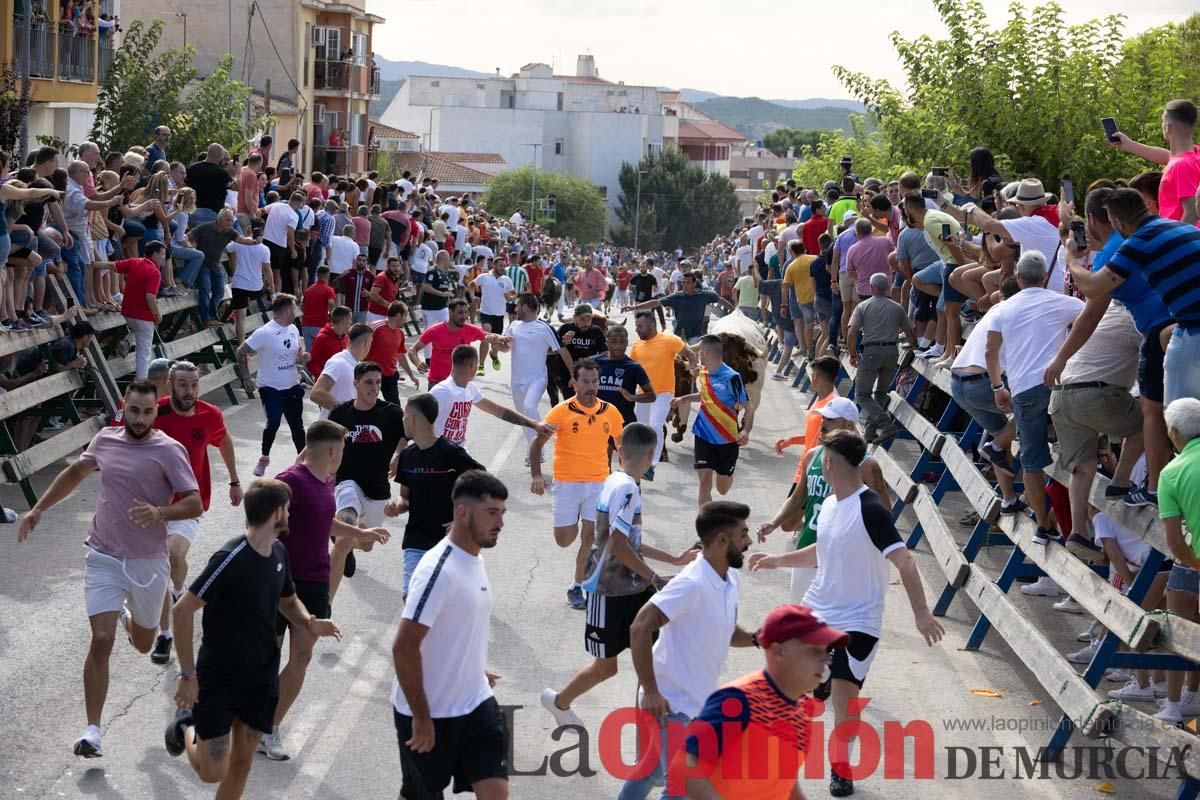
839 408
851 214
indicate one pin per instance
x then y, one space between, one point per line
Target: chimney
585 66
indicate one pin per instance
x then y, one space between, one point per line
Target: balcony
76 57
343 76
374 88
106 58
41 47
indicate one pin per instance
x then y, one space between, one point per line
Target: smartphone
1110 128
1068 191
945 232
1079 233
931 194
939 171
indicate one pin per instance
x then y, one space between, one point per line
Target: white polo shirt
1033 324
702 608
280 217
340 369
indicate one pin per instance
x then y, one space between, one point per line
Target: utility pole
637 213
183 15
533 186
229 28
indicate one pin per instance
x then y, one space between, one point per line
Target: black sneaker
1084 548
1141 497
173 737
996 457
1112 490
161 653
839 786
351 565
1045 536
1015 507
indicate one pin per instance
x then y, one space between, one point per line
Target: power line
282 63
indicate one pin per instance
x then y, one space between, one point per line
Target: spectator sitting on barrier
30 364
881 320
1026 333
1179 484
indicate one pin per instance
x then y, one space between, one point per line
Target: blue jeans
1031 411
1182 366
412 557
835 322
640 789
76 264
210 290
201 216
191 261
977 399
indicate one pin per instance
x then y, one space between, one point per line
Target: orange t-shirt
581 446
657 357
812 430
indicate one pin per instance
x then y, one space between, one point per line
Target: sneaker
351 565
479 373
1084 656
1160 689
1044 587
1084 548
575 598
1112 490
261 466
1115 675
88 745
937 351
173 737
839 786
1093 632
1132 691
161 653
45 315
996 457
7 514
1045 536
969 520
1189 704
1069 606
495 364
1169 716
271 745
37 322
778 376
123 622
649 475
1141 497
1015 507
562 716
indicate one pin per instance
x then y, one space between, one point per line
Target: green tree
681 204
872 157
579 211
14 108
780 140
215 111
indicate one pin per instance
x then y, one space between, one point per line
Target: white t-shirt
531 341
745 257
343 251
702 608
677 279
483 250
454 409
250 258
1034 324
1037 233
661 276
280 217
461 234
516 219
453 212
420 258
755 234
974 349
1132 546
493 289
340 369
854 537
450 595
277 346
407 186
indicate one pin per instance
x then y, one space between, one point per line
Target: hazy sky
695 43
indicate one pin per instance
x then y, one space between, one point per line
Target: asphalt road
340 732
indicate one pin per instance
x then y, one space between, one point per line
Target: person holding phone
941 231
1181 159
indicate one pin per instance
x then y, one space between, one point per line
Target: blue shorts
412 557
949 293
931 273
977 399
1183 579
1031 410
823 306
418 278
801 311
898 279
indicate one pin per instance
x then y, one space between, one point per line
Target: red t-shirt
443 340
248 183
388 290
535 273
313 192
362 231
325 345
810 234
141 278
623 279
315 308
196 432
1048 213
386 344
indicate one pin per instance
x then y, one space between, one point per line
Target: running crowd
861 263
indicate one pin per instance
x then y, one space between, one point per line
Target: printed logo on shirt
456 423
366 434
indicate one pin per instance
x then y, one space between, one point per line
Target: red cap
798 622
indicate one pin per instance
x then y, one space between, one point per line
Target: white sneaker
937 351
1116 675
1160 689
1169 717
1042 587
261 466
1189 704
1085 655
271 745
88 745
1069 606
923 343
1132 691
1093 632
561 716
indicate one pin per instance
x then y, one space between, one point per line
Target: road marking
505 450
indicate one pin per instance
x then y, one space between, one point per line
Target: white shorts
574 501
348 494
185 528
102 249
109 581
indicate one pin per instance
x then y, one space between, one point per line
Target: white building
578 124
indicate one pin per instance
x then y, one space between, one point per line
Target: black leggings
279 403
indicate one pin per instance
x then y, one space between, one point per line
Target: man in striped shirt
520 281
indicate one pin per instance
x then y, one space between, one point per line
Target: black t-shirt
241 591
644 287
443 283
212 242
586 343
429 475
33 214
625 374
372 439
210 182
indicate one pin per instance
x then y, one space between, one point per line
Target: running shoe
839 786
88 745
1068 606
37 322
1045 536
479 373
351 565
1044 587
173 737
1132 691
778 376
495 364
271 746
1169 716
996 457
1113 490
1084 548
1015 507
1141 497
261 466
649 475
1085 655
576 599
562 716
161 653
1190 704
969 520
1094 631
937 351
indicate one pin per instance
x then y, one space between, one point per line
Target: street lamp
637 213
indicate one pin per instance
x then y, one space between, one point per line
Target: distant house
386 138
453 174
755 171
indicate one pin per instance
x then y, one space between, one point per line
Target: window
359 43
308 37
558 147
333 44
435 83
762 175
560 102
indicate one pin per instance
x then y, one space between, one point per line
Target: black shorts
1151 373
466 750
852 662
609 619
493 321
240 298
373 254
314 595
510 308
720 458
220 704
281 257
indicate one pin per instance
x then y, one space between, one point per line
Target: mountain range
753 117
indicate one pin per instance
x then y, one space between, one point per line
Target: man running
694 618
126 568
458 394
280 349
584 425
335 384
856 539
448 723
619 581
444 337
495 290
373 443
718 433
426 472
312 522
196 425
621 377
530 340
583 338
689 306
388 350
227 697
656 353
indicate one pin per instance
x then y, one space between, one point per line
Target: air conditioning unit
319 114
319 36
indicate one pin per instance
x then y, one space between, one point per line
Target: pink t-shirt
867 257
248 184
592 284
443 341
152 470
1179 182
